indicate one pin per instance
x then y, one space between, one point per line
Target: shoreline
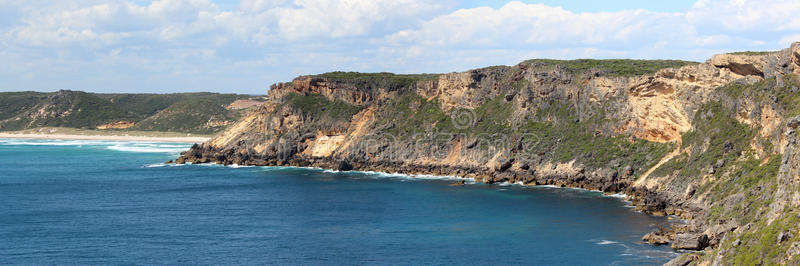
103 137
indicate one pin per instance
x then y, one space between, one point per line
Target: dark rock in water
459 183
168 162
690 241
180 160
344 166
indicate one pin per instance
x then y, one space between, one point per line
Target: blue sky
244 46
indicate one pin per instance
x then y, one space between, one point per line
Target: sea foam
148 148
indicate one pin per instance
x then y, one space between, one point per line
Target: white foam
54 142
148 148
124 146
606 242
617 195
379 175
155 165
239 166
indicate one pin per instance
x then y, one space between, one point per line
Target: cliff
713 142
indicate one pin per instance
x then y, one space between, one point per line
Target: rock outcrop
707 142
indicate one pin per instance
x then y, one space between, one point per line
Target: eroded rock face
331 90
464 90
795 57
745 65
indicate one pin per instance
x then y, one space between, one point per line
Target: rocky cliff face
713 143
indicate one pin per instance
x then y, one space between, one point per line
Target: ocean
107 202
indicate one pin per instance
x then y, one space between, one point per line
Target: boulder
682 260
656 238
690 241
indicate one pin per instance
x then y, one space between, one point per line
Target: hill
201 113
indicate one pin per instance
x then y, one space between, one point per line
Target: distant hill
200 113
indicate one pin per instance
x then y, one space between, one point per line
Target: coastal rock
344 166
690 241
656 238
682 260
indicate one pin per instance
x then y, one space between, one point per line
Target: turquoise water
95 202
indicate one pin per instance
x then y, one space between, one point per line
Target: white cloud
185 43
519 24
745 15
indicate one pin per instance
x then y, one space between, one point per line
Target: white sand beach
104 137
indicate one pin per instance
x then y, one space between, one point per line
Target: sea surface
105 202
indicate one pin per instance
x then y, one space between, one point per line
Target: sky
244 46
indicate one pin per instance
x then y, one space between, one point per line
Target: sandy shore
106 137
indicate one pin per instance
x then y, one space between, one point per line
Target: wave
380 175
54 142
606 242
124 146
617 195
148 148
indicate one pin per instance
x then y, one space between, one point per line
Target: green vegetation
613 67
411 114
180 112
785 93
753 53
373 80
13 102
720 148
558 137
564 136
202 115
758 246
319 108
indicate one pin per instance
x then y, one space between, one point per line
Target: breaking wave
123 146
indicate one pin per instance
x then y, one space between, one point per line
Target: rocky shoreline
712 143
642 199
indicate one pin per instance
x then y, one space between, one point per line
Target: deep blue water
89 202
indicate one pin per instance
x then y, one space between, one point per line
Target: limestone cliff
711 142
